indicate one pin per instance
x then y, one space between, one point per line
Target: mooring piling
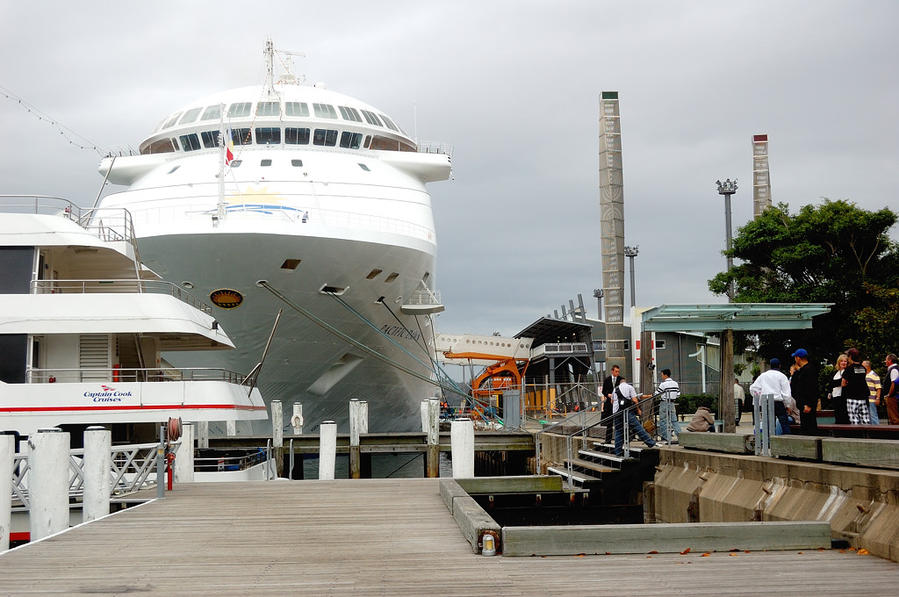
97 464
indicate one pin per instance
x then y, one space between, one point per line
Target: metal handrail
116 286
136 374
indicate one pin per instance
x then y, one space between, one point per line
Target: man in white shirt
774 382
625 398
739 397
669 393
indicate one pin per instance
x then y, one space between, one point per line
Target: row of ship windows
291 109
274 136
267 163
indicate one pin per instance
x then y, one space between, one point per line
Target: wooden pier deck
377 537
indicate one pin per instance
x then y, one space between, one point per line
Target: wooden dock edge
733 443
664 538
473 521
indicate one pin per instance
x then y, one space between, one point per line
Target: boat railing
132 374
131 471
423 296
107 223
117 286
435 147
229 463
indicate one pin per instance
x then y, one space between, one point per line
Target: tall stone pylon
761 177
611 207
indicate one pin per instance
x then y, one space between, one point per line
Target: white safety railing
132 470
117 286
122 374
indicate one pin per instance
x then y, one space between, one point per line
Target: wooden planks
374 536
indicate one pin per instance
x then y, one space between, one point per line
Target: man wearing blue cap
804 384
774 382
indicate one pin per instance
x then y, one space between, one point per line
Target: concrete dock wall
861 504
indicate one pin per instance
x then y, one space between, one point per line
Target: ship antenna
269 54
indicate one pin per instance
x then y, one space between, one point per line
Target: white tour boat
323 197
84 325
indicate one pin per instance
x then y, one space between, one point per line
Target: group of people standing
856 390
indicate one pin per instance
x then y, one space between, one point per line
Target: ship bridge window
160 146
239 109
364 167
190 142
171 121
268 109
190 116
389 123
324 111
236 163
386 144
296 109
295 136
173 169
265 163
212 112
241 136
296 163
350 114
268 136
351 140
372 118
210 138
327 137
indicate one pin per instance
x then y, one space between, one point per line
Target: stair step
611 447
592 466
575 477
601 456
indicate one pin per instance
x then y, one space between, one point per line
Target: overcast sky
514 88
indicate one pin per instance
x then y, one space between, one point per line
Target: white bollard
277 424
231 428
424 415
462 441
297 419
184 457
7 454
327 450
49 482
363 415
203 434
97 470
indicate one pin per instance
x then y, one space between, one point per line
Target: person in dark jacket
608 386
855 389
804 386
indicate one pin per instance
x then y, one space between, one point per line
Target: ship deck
376 536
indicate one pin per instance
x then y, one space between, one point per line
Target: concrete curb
473 520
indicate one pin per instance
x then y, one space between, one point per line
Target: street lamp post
630 253
728 188
598 294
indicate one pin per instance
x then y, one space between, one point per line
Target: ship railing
435 147
130 374
107 223
423 296
229 463
117 286
131 471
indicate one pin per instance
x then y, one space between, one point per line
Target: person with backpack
624 407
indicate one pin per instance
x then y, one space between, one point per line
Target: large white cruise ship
323 197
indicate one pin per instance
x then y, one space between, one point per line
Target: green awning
747 317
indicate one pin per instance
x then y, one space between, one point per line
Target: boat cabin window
212 112
350 114
241 136
210 138
364 167
190 142
372 118
350 140
295 136
268 109
326 137
386 144
171 121
173 169
160 146
296 109
324 111
265 163
389 123
268 136
236 163
239 109
296 163
190 116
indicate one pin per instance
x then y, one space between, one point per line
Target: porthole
373 274
392 277
291 263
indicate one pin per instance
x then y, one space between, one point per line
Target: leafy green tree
835 253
